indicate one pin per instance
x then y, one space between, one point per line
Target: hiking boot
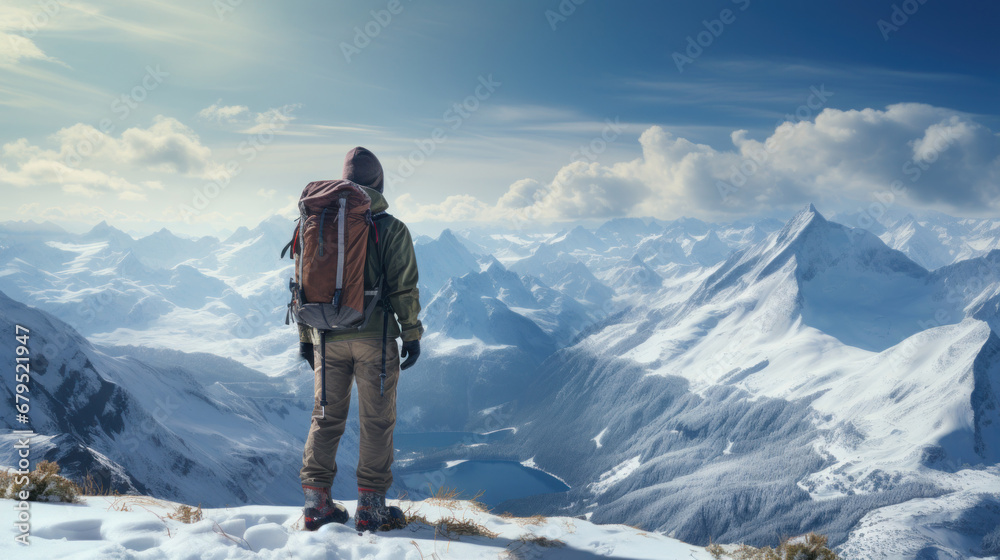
373 515
320 509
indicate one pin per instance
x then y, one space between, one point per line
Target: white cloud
455 208
939 156
167 146
274 120
15 48
73 188
223 113
132 195
17 29
522 194
86 161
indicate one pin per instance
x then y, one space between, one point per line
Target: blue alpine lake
495 481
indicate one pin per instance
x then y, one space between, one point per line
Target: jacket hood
362 167
379 203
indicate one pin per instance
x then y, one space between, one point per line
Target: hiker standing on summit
367 355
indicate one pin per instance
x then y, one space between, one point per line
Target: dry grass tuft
416 518
526 547
452 527
452 499
716 551
533 520
125 502
44 484
543 542
186 514
445 493
807 547
90 486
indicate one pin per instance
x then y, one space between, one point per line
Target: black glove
306 351
411 351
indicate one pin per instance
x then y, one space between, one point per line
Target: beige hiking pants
347 361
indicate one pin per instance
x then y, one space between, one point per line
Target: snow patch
619 473
597 439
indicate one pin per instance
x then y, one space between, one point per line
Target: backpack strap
293 244
386 305
301 231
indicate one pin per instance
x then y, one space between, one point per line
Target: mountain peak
449 237
709 250
492 267
106 232
162 233
804 220
241 234
103 227
811 211
276 219
578 238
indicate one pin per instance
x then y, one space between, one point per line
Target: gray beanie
362 167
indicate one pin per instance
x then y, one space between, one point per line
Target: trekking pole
322 375
385 331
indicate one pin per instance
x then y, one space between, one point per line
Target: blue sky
216 113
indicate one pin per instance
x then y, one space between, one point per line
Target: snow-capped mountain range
727 382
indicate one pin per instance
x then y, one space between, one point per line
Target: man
357 356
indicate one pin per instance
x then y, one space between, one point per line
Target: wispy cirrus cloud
223 113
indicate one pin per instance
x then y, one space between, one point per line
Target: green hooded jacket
401 277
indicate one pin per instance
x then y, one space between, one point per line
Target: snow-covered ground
140 527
